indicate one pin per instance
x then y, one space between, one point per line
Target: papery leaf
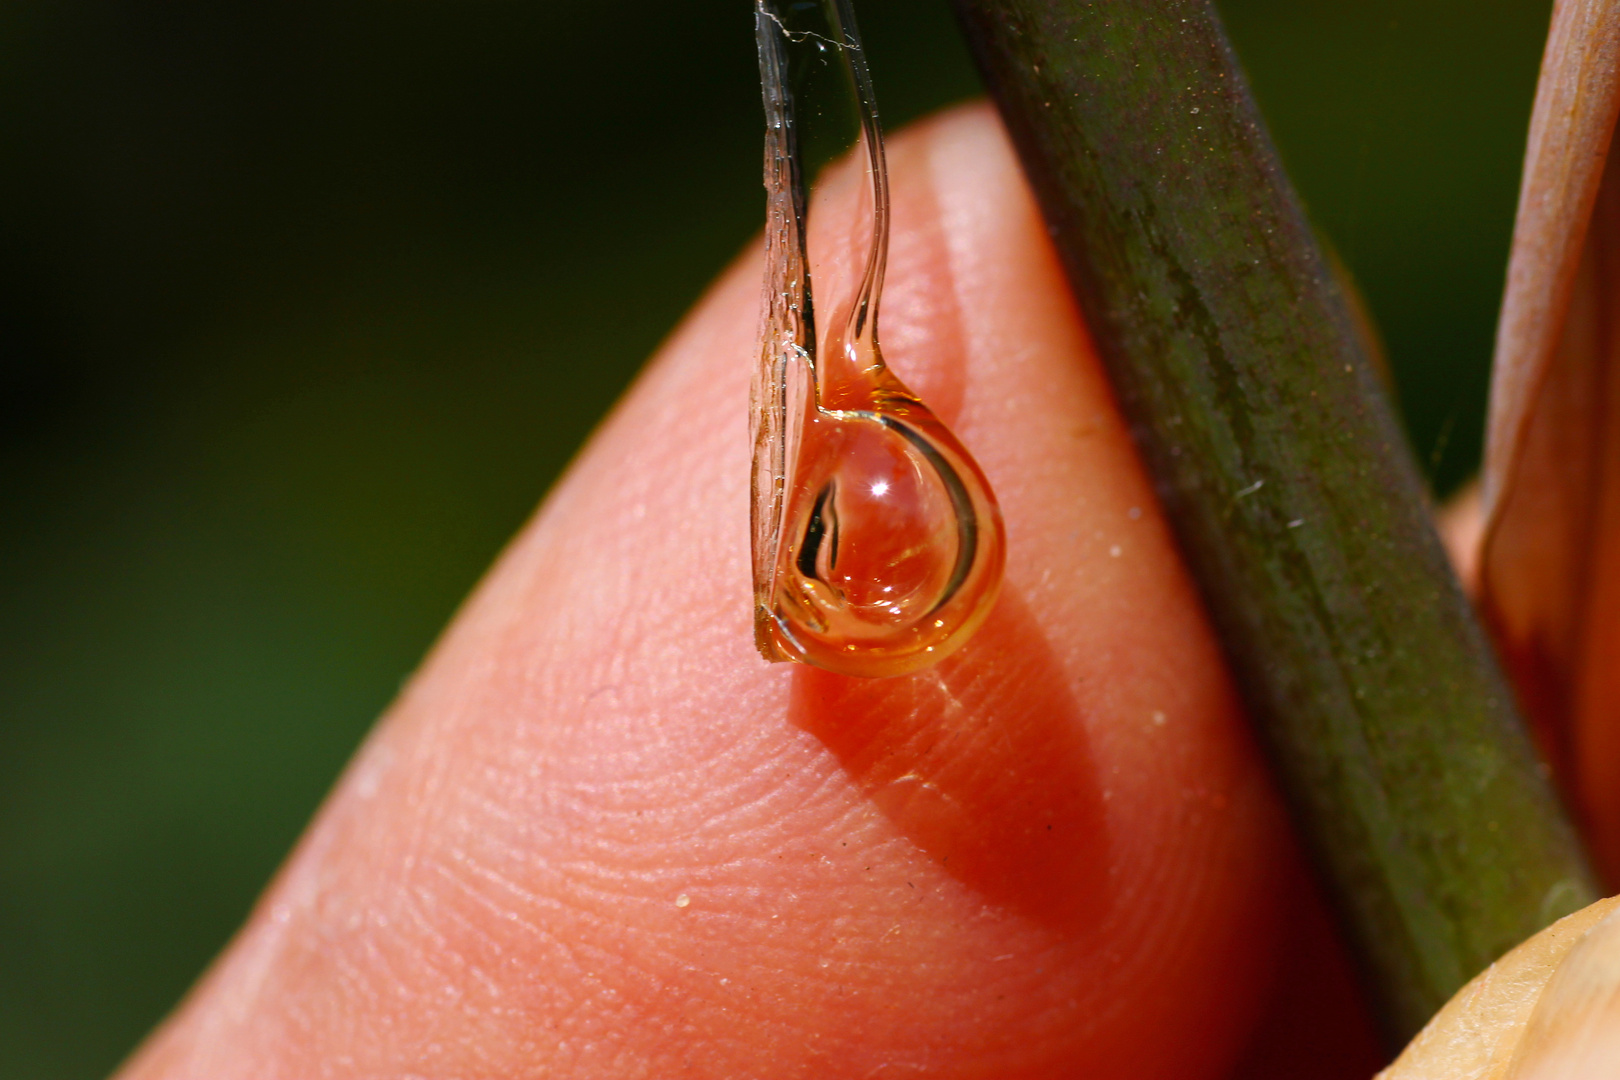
1477 1035
1574 1032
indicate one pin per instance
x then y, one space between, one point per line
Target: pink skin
598 836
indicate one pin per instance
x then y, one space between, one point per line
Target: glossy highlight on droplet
878 546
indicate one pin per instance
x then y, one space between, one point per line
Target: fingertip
1055 852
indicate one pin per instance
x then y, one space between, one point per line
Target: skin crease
598 836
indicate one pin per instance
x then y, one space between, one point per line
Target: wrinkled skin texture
598 836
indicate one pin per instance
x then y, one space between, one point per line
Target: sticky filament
877 542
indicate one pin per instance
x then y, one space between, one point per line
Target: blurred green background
303 307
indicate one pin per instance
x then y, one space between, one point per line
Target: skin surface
598 836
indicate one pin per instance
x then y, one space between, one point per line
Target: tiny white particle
1195 110
682 900
1296 523
1134 513
1114 551
1158 719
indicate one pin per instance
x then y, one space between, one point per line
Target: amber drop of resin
878 545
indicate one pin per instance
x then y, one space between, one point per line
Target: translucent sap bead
891 551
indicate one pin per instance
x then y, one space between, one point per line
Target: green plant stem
1291 488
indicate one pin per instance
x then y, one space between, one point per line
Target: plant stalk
1292 491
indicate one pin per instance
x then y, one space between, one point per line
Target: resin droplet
878 546
891 546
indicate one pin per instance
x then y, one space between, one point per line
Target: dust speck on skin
1158 718
374 765
1115 551
682 900
1134 513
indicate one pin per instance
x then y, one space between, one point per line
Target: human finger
598 836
